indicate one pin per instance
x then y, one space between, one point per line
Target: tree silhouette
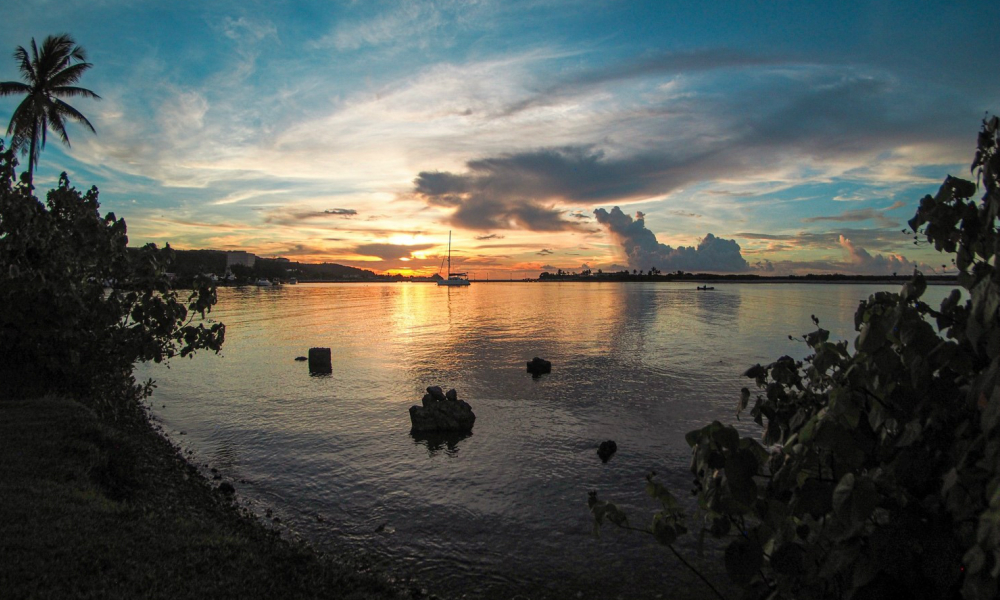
49 75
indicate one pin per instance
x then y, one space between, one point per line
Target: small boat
293 281
705 287
454 279
262 282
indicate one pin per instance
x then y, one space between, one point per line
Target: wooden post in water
320 360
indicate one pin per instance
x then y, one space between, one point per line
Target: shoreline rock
440 411
539 366
606 450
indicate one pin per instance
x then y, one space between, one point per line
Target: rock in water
320 360
606 449
441 412
538 366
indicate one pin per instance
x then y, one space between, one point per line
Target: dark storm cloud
341 212
293 215
845 113
300 250
664 64
643 251
883 240
573 172
390 251
522 190
826 115
862 214
764 236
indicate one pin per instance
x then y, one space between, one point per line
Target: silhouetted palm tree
48 76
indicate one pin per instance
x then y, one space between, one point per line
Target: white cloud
862 261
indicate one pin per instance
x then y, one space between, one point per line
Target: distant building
239 257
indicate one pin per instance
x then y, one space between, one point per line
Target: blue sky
800 135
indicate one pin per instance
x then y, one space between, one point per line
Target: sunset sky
772 137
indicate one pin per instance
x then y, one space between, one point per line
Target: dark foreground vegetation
878 471
93 502
96 510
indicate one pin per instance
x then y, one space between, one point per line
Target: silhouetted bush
878 474
77 310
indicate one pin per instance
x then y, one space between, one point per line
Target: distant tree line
655 274
189 264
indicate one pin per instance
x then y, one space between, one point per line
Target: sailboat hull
453 278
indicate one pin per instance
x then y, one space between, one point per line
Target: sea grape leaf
743 559
741 466
787 559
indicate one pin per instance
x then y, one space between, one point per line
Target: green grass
88 510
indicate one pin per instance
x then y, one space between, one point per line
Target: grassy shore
91 510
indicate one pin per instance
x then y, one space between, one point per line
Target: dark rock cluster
606 449
539 366
442 412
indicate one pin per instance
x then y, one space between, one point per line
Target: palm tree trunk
31 153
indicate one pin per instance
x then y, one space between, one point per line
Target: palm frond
57 124
9 88
34 57
70 74
20 120
78 53
24 64
54 56
66 109
43 127
72 92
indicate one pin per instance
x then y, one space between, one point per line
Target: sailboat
453 278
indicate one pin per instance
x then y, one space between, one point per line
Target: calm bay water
501 512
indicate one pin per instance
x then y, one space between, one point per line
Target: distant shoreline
820 279
703 278
696 279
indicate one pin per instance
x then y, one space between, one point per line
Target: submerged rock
606 449
538 366
442 412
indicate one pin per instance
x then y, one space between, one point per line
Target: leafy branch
878 469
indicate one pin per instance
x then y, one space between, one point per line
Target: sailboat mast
449 254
